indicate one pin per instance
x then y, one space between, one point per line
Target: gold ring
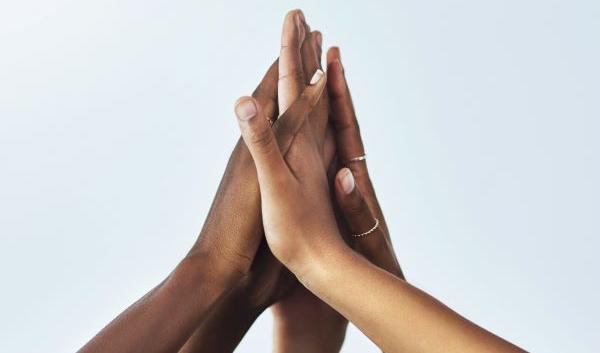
368 231
357 159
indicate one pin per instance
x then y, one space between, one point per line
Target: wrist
225 267
315 262
202 272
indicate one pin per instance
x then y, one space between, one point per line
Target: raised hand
301 231
266 280
300 178
355 194
304 322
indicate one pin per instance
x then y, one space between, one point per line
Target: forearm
235 212
295 338
225 326
395 315
164 318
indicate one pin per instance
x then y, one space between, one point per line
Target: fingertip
246 108
318 38
332 54
294 29
317 43
334 63
294 14
300 15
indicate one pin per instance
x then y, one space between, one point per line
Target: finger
318 44
266 91
311 58
291 74
354 207
360 219
259 138
343 117
329 147
288 125
347 132
310 61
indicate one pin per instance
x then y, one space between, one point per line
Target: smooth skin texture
244 277
207 279
302 233
268 280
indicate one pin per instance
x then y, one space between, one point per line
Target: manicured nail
347 181
246 109
316 77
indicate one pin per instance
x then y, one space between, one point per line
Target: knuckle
292 73
261 138
359 170
344 125
356 207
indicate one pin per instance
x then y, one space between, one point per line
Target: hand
355 194
233 226
227 245
301 319
300 229
266 280
296 209
303 322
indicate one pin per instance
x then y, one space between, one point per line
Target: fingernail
246 109
316 77
347 181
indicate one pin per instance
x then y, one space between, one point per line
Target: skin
244 277
269 281
302 321
301 231
245 274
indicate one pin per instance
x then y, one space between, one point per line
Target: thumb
355 209
258 136
371 242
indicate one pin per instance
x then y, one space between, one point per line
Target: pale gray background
480 120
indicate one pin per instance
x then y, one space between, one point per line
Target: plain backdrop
480 118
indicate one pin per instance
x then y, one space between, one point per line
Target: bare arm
397 316
301 231
184 298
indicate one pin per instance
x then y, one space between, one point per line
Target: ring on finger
368 231
357 159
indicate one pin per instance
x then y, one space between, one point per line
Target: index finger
347 133
288 125
349 142
291 73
